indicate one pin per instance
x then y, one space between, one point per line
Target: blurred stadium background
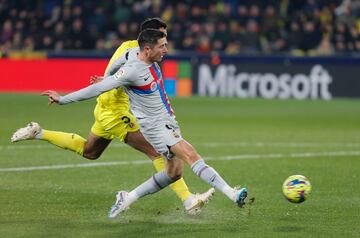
263 89
272 49
299 27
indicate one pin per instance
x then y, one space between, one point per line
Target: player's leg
90 148
192 202
138 142
95 146
154 184
63 140
129 132
186 152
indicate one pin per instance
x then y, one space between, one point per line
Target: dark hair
154 23
150 37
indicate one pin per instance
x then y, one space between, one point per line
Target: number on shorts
126 119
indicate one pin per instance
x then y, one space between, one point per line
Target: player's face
159 50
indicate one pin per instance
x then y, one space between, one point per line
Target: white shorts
161 133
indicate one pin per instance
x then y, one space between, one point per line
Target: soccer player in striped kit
141 78
114 120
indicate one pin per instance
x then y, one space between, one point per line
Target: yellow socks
68 141
179 187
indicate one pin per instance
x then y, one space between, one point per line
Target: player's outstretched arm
91 91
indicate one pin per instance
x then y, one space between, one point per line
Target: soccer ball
296 188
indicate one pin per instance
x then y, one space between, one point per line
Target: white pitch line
230 157
210 145
276 144
70 166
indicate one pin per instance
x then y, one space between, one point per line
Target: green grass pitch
251 142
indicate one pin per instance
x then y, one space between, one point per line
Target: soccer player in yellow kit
113 119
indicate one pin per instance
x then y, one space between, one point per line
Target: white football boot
26 133
119 206
195 202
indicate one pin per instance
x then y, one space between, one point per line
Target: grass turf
256 143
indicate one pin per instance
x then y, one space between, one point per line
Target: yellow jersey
116 99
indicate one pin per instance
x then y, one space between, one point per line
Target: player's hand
53 96
95 79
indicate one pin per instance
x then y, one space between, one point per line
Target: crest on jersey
119 73
153 86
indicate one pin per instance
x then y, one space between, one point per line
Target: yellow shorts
109 124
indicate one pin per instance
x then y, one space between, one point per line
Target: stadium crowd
300 27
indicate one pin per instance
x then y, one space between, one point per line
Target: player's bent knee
175 176
91 156
174 171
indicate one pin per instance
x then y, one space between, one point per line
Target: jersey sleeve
123 77
126 75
